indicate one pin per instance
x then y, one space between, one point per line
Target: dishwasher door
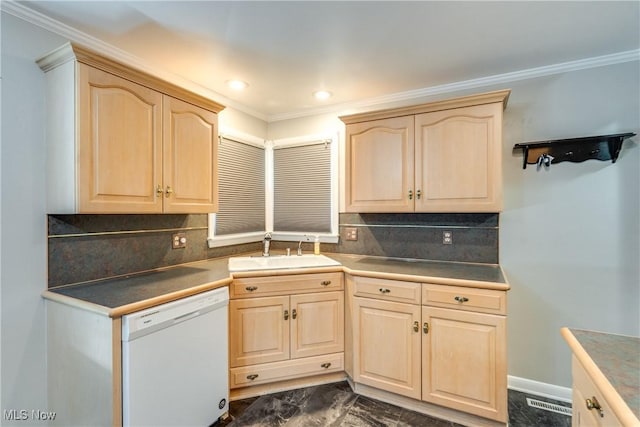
175 362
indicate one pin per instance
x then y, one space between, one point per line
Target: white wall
569 236
24 242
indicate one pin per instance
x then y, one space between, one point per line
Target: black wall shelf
603 147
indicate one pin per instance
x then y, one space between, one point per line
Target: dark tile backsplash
475 236
90 247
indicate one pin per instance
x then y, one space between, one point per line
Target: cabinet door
458 157
379 165
386 346
317 324
119 148
258 330
190 158
464 361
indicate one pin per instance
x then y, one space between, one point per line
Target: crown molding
87 41
20 11
498 79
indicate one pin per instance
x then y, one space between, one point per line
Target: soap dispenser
316 246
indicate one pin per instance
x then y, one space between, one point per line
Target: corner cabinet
443 156
122 141
285 327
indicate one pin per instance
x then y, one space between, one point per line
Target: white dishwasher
175 363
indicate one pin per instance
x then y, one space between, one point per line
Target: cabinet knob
159 190
418 194
461 299
594 404
325 365
425 327
251 288
168 191
294 313
416 326
384 290
410 194
286 315
252 377
325 282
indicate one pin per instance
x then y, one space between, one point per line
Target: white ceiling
357 50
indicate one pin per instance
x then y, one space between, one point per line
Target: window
305 189
302 188
241 192
287 187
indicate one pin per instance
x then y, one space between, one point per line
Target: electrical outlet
447 238
351 233
179 240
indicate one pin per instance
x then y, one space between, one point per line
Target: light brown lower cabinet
464 361
281 337
452 357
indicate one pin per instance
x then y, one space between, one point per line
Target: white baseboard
537 388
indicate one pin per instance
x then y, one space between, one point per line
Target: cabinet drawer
583 389
462 298
390 290
279 371
280 285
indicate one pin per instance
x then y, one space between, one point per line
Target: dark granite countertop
424 271
136 288
122 295
618 358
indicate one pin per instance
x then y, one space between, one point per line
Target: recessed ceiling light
237 84
322 94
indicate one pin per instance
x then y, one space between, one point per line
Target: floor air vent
552 407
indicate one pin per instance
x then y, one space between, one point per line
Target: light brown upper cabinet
443 156
122 141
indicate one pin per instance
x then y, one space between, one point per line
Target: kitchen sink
278 262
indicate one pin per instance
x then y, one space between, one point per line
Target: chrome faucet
266 242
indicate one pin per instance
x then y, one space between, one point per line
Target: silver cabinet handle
294 313
461 299
286 315
416 326
384 290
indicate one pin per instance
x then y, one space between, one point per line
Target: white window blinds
302 188
241 188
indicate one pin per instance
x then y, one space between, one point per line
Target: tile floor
337 405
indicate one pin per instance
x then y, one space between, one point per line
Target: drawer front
388 290
583 389
281 285
462 298
280 371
